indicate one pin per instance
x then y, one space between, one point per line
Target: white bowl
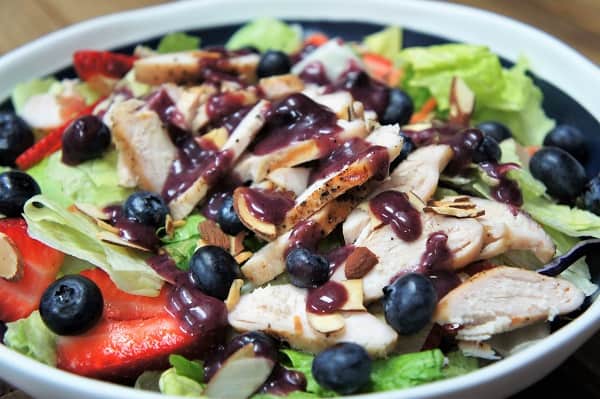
549 58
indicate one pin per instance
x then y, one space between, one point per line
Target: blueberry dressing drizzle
507 191
283 381
436 263
267 206
336 257
132 231
306 234
393 208
373 94
328 298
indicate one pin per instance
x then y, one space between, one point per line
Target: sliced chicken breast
280 310
279 86
503 299
144 147
509 228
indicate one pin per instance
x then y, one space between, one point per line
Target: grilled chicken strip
509 228
503 299
144 147
280 310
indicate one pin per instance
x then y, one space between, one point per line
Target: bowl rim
582 83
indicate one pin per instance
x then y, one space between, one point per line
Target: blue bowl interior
557 104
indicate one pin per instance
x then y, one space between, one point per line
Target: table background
574 21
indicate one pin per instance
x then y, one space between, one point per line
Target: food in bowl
296 213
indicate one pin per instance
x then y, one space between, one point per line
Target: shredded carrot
395 77
378 66
532 149
316 39
425 110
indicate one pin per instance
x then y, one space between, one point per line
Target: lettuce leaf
302 362
187 368
387 42
93 182
266 34
407 370
75 234
459 364
182 244
23 91
178 41
148 381
291 395
31 337
171 383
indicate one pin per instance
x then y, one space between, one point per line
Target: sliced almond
265 230
354 288
92 211
236 244
169 226
462 102
212 234
360 262
11 267
107 227
240 375
217 136
111 238
233 297
243 256
326 323
456 206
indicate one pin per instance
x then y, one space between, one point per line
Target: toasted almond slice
212 234
233 297
243 256
11 267
92 211
169 226
354 288
107 227
360 262
462 102
326 323
178 223
217 136
262 229
415 201
455 212
236 244
112 238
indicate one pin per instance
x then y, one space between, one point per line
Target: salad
289 214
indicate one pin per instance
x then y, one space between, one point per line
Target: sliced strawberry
40 266
119 305
90 63
121 350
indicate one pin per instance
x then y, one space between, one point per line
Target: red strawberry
90 63
40 266
119 305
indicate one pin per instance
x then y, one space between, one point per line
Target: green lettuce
266 34
182 244
302 362
387 42
459 364
187 368
407 370
148 381
31 337
94 182
171 383
76 235
178 41
23 91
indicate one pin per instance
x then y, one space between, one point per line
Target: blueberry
399 110
71 305
409 302
570 139
228 219
495 130
15 189
306 269
273 63
591 196
408 146
562 174
146 208
86 138
15 137
343 368
213 270
487 151
264 345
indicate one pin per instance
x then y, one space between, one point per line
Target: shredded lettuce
23 91
459 364
387 42
171 383
266 34
31 337
187 368
93 182
302 362
407 370
76 235
182 244
178 41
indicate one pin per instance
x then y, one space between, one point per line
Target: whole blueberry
273 63
213 270
408 146
71 305
495 130
86 138
409 302
228 219
570 139
264 345
306 269
146 208
15 189
15 138
343 368
487 151
399 109
563 175
591 195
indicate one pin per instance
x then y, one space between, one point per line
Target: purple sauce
294 119
437 255
327 298
338 256
161 103
314 72
434 134
283 381
217 70
166 268
302 53
444 282
132 231
193 162
306 234
463 145
507 191
377 158
477 267
227 110
373 94
230 122
268 206
393 208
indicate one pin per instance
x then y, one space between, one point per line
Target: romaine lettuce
387 42
187 368
23 91
148 381
178 41
266 34
76 235
407 370
171 383
182 244
31 337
